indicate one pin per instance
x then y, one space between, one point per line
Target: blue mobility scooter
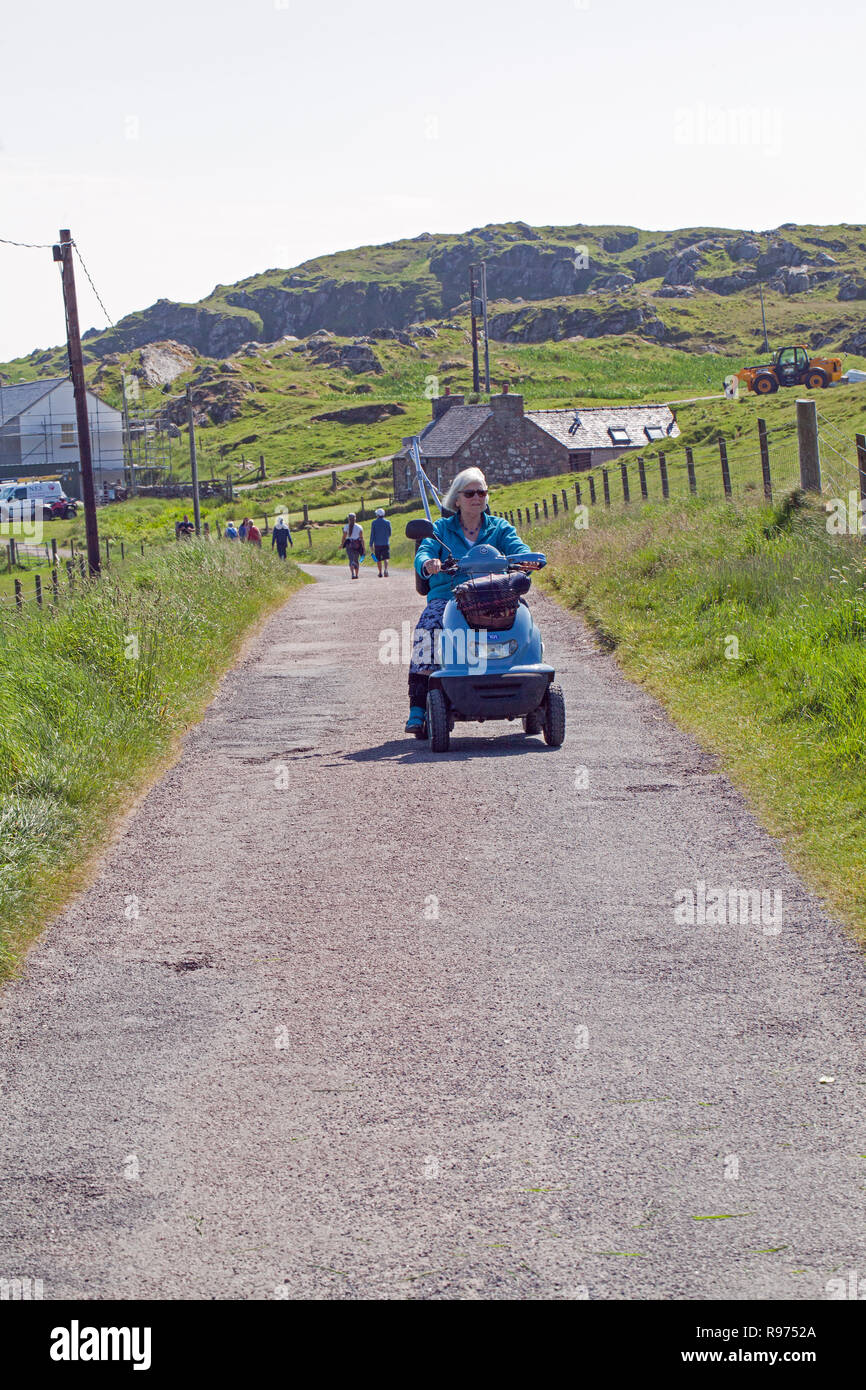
491 663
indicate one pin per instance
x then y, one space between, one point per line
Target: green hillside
578 315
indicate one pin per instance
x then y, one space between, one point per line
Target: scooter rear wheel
554 717
438 722
534 723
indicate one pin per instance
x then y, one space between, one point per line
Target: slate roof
596 421
14 399
443 437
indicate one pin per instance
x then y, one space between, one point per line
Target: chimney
513 405
442 403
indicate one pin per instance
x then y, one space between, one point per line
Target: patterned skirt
425 642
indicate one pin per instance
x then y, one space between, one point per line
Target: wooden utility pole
63 253
193 462
476 385
764 320
486 332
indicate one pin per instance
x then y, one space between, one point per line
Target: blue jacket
380 531
495 530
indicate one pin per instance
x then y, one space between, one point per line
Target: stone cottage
510 444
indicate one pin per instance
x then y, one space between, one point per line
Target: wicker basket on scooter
491 600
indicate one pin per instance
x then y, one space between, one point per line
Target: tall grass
93 694
748 621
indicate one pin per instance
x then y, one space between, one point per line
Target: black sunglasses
475 492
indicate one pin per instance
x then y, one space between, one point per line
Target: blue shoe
415 722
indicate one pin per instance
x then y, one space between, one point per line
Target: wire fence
760 470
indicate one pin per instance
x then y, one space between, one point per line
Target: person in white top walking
353 542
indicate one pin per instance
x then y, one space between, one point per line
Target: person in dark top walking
281 537
380 540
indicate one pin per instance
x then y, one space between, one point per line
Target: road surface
341 1019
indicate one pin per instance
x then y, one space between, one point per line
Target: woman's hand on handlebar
431 567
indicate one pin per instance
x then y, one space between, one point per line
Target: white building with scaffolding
39 435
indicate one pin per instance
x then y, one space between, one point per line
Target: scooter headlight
498 651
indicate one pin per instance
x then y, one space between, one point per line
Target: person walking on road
242 529
353 541
380 540
254 535
281 537
231 532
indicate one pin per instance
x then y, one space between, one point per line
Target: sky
189 143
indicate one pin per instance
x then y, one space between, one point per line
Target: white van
30 500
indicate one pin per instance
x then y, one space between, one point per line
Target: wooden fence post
107 551
520 517
690 465
544 503
142 547
564 500
70 573
306 515
555 500
726 472
626 495
535 505
663 474
861 471
592 490
577 493
55 585
122 551
310 537
605 482
54 550
807 444
641 471
81 565
38 591
72 547
765 459
18 597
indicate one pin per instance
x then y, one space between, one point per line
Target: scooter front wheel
554 716
438 722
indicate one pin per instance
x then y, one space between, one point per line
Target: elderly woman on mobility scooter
470 525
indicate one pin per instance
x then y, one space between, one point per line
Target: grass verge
748 623
93 697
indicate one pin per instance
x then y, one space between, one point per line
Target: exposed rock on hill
160 363
362 414
535 324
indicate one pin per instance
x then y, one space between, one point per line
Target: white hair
462 480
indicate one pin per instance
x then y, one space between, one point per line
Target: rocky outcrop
327 352
347 307
856 343
160 363
852 287
215 400
619 281
620 241
651 266
779 253
537 324
744 249
211 332
528 270
683 268
362 414
730 284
